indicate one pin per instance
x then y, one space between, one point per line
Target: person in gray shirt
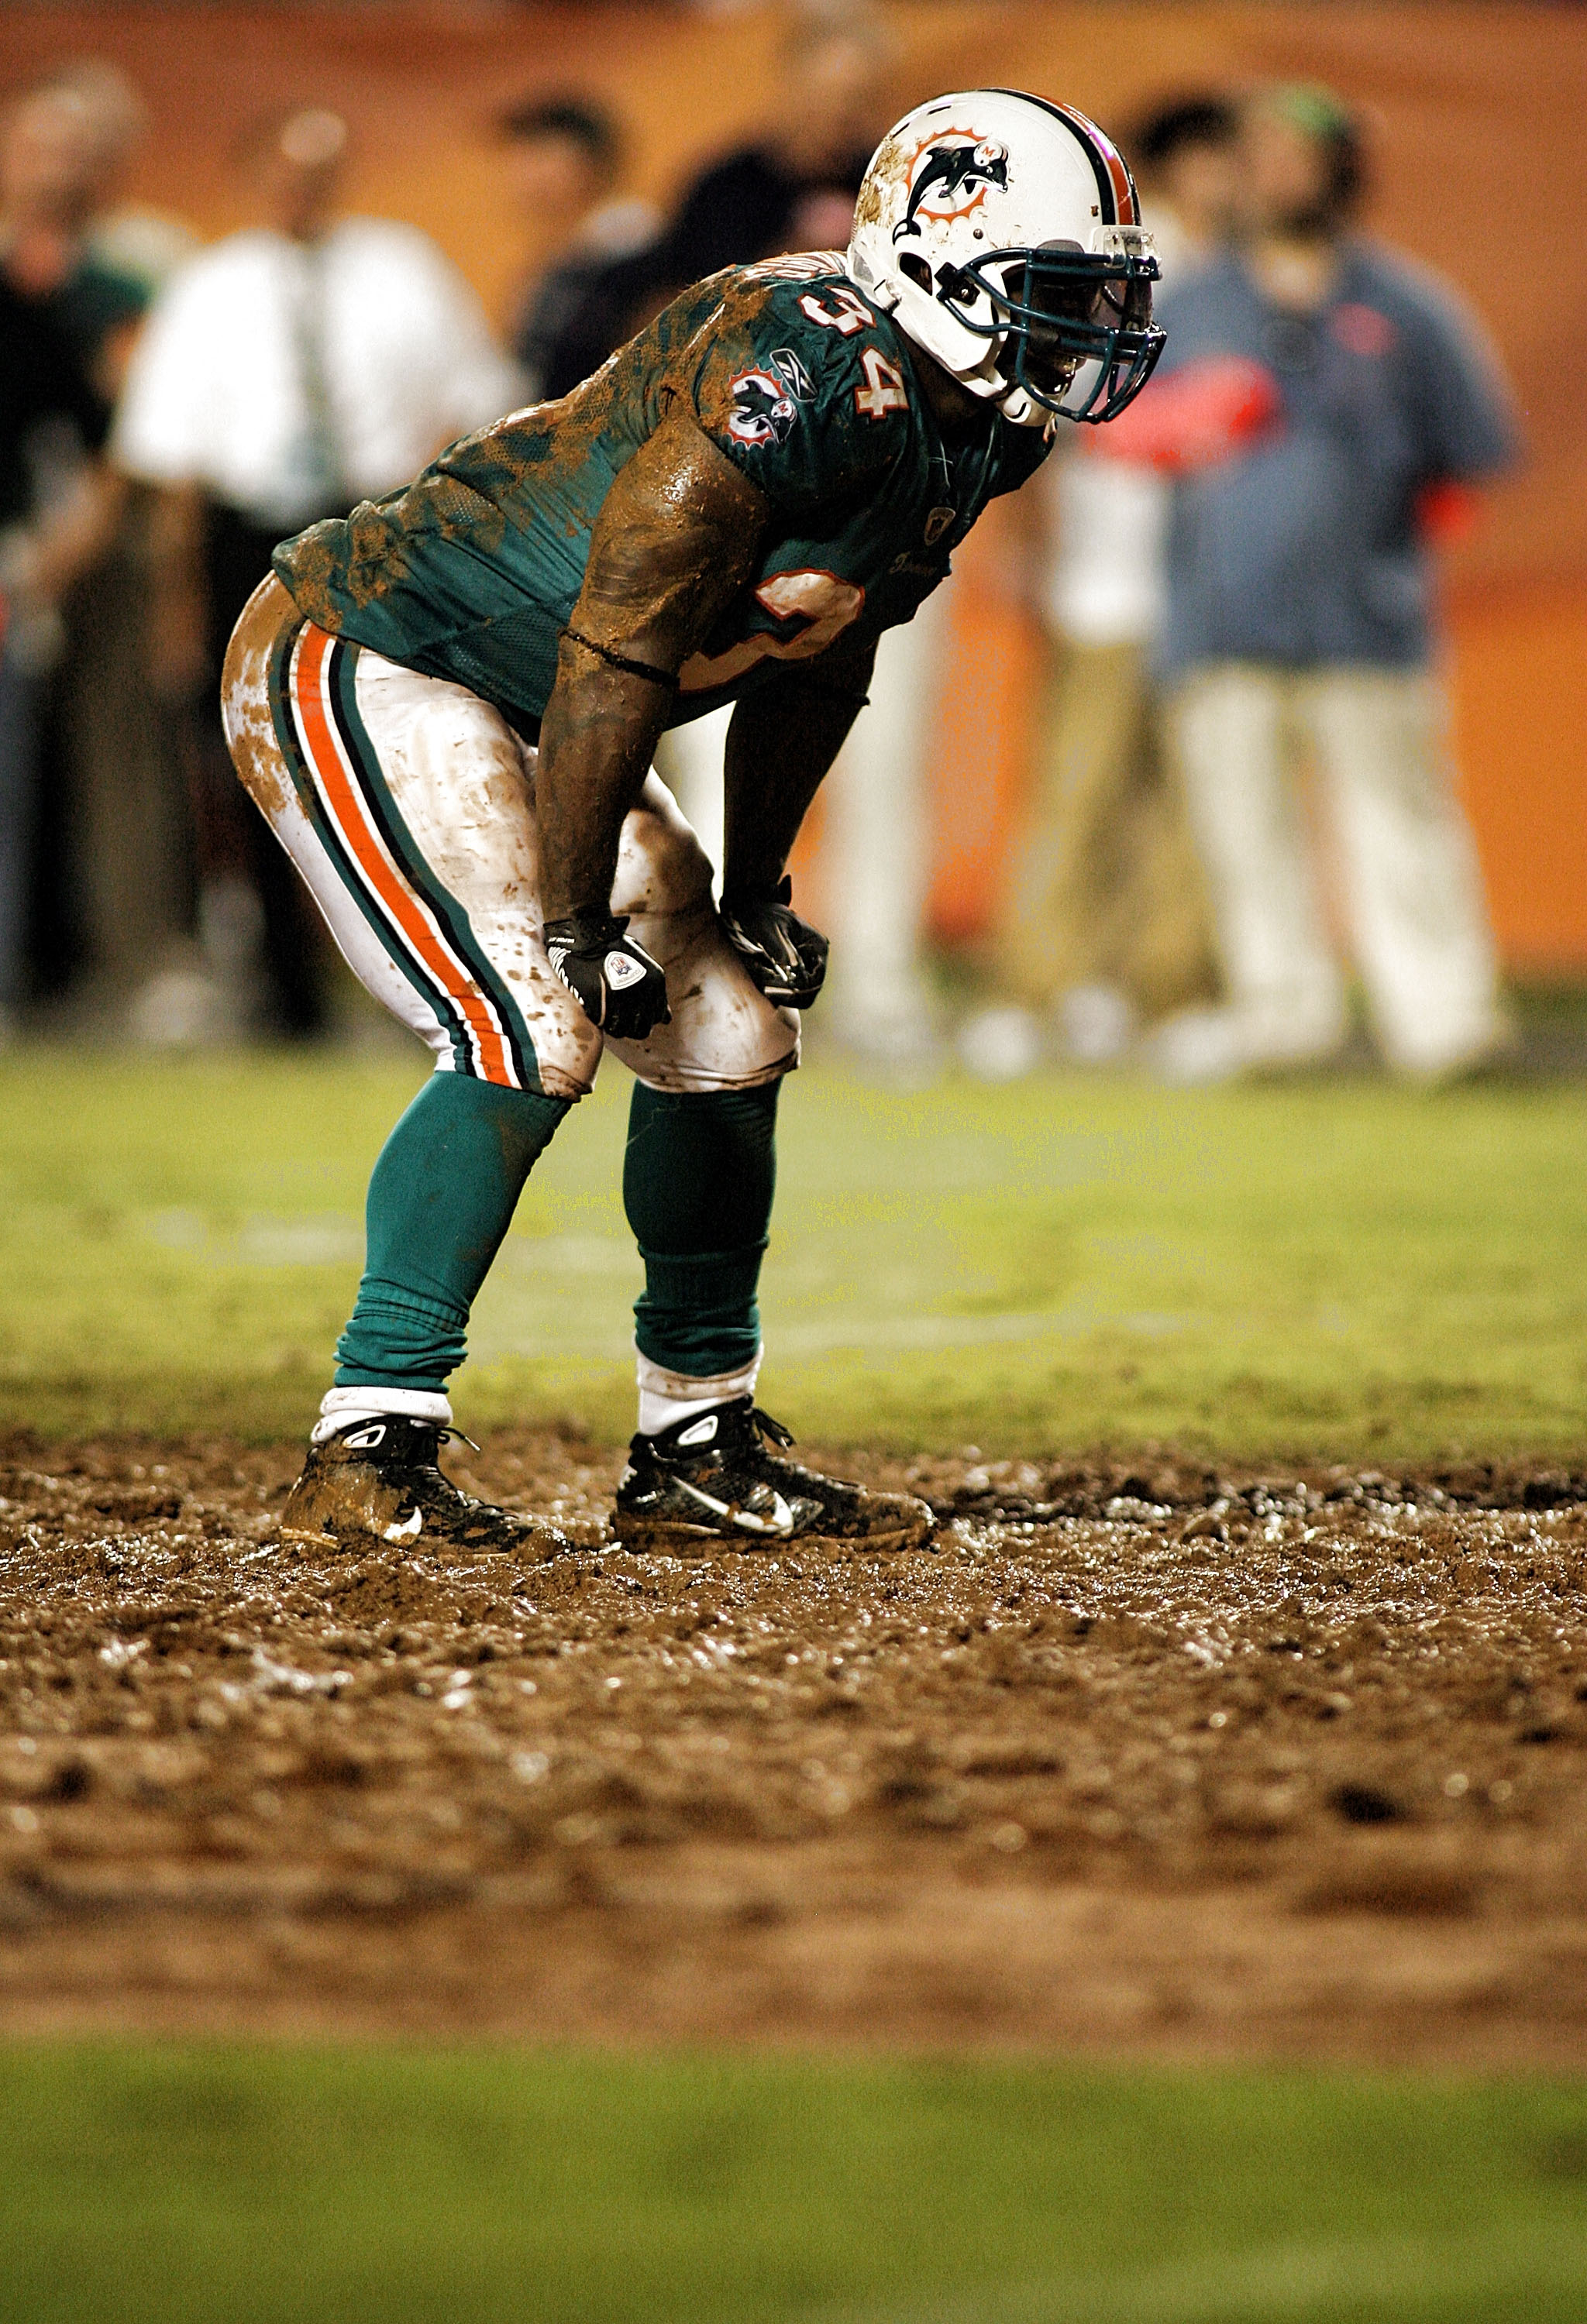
1322 400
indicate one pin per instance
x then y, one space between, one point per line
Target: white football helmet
1002 234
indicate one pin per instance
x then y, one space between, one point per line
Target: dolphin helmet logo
948 180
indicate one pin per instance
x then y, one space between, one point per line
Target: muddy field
1153 1759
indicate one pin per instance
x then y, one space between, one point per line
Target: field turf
1341 1269
1319 1270
317 2186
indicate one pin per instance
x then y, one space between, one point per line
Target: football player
445 705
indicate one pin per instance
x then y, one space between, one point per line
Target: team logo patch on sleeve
766 403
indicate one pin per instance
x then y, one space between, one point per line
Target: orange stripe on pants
325 757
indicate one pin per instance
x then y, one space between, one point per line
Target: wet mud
1130 1759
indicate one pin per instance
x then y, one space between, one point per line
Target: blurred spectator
111 893
1317 396
288 372
60 310
139 244
1105 925
791 187
564 157
61 160
876 853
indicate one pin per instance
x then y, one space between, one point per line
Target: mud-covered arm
673 545
780 744
676 539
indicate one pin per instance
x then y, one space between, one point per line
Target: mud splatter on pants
407 804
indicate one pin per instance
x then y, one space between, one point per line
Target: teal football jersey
471 572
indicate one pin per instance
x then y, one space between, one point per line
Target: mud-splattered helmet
1002 234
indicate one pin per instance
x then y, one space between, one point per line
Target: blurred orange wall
1477 111
1519 665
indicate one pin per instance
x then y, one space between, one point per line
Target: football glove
784 955
614 981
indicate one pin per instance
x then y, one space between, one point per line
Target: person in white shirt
1105 926
286 374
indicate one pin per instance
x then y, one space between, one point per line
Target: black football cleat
375 1483
710 1478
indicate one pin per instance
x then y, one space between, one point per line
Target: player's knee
674 1080
724 1036
662 867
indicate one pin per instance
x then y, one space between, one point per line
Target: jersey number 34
883 391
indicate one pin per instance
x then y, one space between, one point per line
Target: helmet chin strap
1014 402
1019 408
986 380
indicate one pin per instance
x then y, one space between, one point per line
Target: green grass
203 2183
1331 1267
1340 1267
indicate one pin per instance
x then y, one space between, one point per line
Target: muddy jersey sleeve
794 380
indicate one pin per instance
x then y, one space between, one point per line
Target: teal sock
440 1200
697 1182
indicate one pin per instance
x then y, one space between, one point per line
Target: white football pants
407 804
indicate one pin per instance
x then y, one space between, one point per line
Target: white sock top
667 1397
339 1408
